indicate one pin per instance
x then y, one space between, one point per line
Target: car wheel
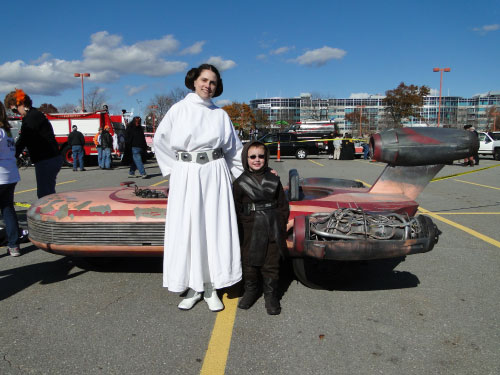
67 155
301 153
496 154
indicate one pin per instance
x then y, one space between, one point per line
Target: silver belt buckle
202 158
186 156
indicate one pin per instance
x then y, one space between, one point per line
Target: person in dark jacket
262 211
38 136
76 140
106 146
135 147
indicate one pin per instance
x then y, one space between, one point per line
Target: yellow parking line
467 213
315 162
220 341
472 232
60 183
161 182
473 183
464 173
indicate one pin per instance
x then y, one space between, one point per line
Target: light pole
153 107
82 75
360 116
440 88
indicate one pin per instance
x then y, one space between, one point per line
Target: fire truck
88 124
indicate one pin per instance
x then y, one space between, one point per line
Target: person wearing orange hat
37 135
106 145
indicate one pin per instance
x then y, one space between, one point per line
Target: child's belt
261 206
200 157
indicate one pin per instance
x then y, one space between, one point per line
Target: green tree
405 101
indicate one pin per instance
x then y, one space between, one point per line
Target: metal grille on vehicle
118 234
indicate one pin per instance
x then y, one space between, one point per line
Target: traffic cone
279 153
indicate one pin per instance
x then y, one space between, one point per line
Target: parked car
291 145
489 144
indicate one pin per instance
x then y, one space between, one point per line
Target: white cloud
434 92
262 56
487 28
320 56
106 58
194 49
221 64
132 90
221 103
107 53
280 51
45 57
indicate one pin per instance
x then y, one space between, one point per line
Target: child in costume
262 210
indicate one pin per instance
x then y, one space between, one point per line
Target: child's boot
271 298
251 294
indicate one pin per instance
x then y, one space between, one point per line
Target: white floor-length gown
201 232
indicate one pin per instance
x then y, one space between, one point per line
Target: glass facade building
455 111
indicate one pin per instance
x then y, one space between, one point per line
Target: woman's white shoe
211 298
192 297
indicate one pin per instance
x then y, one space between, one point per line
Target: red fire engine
87 123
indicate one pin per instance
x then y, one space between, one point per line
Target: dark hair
4 122
132 122
194 73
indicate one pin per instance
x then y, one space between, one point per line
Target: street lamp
153 107
440 87
360 116
82 75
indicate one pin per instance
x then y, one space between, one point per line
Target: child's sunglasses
261 156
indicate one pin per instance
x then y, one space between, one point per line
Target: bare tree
68 108
161 103
95 99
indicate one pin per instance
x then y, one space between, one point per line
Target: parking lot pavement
435 313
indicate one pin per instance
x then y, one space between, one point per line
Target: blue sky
134 50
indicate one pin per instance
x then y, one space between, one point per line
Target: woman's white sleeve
232 148
163 151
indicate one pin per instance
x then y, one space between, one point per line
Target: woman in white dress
197 145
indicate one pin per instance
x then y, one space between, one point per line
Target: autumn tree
47 108
241 114
355 118
261 118
493 118
404 102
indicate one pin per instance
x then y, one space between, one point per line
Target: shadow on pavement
359 275
17 279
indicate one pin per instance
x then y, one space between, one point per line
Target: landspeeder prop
334 219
